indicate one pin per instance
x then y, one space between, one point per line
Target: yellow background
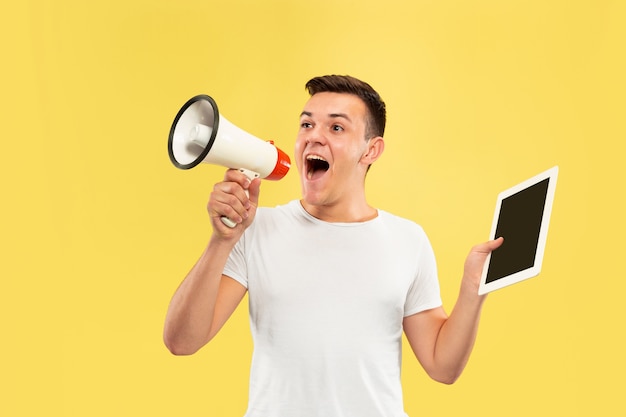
98 228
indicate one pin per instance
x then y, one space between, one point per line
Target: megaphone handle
251 175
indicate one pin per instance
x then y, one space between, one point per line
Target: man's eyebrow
331 115
340 115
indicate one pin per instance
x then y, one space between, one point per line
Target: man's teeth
315 163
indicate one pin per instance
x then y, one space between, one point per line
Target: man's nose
315 135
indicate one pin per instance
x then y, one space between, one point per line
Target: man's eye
337 128
305 125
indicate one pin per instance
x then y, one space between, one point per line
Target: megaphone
200 135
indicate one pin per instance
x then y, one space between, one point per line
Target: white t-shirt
327 302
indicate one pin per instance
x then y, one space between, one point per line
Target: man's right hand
229 199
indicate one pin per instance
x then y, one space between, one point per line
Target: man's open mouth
316 166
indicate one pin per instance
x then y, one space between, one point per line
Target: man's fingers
254 190
489 246
496 243
230 200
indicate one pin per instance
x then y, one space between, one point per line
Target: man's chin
310 199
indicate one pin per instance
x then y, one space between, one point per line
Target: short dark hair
350 85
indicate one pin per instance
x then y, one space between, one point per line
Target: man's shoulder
400 222
278 213
288 207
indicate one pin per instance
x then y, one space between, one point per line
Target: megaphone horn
200 134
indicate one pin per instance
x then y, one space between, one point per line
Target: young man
332 281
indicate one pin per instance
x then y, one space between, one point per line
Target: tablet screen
519 223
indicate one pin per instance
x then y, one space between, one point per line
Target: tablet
522 217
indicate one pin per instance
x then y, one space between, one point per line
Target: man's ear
375 148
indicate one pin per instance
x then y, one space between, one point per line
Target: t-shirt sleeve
424 293
236 266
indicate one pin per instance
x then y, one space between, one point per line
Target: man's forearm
457 337
190 313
